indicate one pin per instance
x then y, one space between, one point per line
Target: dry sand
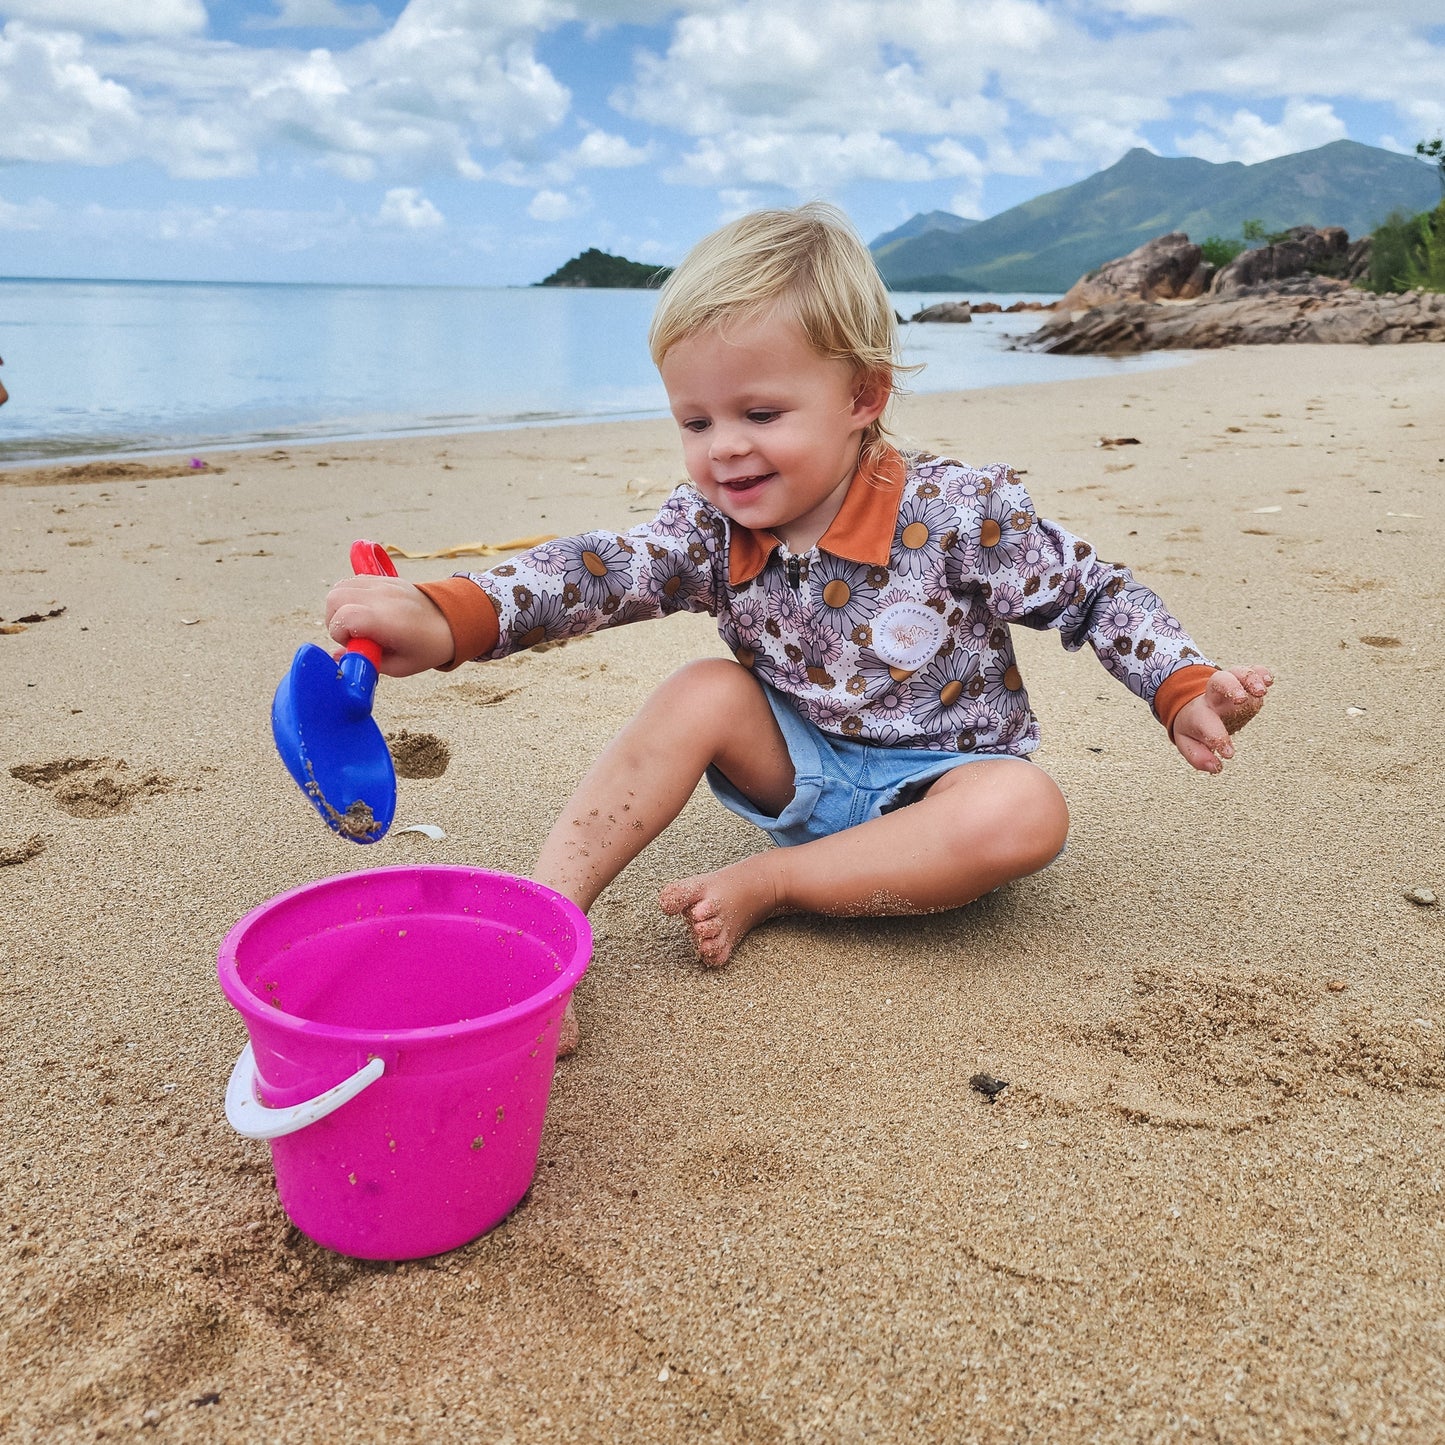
1209 1204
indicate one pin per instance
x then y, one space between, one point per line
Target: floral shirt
893 629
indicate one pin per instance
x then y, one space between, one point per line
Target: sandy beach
1210 1205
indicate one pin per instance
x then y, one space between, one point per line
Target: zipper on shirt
797 571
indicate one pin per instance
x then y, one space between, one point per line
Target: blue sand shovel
324 731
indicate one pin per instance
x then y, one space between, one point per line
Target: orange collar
862 531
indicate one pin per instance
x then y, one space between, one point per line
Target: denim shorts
839 783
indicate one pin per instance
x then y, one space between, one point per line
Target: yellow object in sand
475 549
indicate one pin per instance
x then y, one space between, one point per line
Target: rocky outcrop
1168 268
945 311
967 310
1299 309
1303 251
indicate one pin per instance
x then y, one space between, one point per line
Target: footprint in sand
92 787
12 856
418 755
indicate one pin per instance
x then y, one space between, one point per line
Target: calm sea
100 367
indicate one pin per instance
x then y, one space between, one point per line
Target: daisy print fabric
914 651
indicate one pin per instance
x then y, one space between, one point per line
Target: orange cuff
1178 690
471 616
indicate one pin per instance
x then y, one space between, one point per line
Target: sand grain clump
418 755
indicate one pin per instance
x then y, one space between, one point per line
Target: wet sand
1209 1204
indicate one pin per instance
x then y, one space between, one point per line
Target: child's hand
407 624
1202 727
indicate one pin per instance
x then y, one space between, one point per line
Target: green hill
919 224
1047 243
599 268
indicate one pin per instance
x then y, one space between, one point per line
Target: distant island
598 268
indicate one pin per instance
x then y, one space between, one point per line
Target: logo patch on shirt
907 634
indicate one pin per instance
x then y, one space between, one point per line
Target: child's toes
705 930
680 896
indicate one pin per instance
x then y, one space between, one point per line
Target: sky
484 142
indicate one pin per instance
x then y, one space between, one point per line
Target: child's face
770 429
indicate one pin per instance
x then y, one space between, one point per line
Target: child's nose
727 441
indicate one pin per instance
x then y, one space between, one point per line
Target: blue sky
484 142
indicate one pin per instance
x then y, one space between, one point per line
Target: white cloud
176 228
111 17
551 206
1021 83
746 97
1246 136
448 79
405 206
36 215
805 164
55 106
603 151
318 14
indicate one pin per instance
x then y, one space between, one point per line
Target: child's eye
759 415
696 423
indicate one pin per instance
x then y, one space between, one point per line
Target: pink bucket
403 1032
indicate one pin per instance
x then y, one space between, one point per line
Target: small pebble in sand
987 1085
1337 985
1425 897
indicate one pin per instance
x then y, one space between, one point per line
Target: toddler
874 722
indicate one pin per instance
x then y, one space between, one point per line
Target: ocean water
96 368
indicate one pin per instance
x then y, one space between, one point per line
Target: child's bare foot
568 1034
723 907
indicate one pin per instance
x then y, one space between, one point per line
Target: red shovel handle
369 559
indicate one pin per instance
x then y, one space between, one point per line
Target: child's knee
1024 820
1041 819
708 683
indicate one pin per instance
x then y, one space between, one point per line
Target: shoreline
121 454
769 1204
318 370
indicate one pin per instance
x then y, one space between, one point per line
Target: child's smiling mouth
740 486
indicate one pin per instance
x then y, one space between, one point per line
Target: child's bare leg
977 827
710 712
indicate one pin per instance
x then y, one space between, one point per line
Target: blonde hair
807 264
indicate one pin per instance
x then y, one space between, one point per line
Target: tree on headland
1407 252
598 268
1433 152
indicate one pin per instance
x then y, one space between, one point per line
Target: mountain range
1047 243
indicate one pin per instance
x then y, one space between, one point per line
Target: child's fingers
353 620
1256 680
360 607
1204 740
1237 695
1197 754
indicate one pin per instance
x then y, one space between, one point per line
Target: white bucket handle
251 1119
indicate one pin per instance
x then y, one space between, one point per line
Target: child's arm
559 589
410 628
1039 574
1202 728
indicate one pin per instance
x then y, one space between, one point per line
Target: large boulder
945 311
1304 251
1168 268
1298 309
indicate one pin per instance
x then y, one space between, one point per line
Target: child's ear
870 397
